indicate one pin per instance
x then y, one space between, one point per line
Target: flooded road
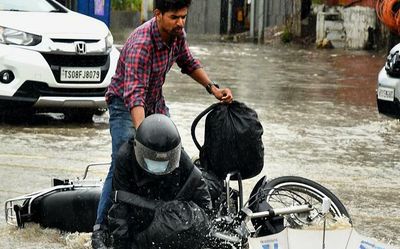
319 116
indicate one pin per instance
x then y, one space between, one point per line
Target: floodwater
319 116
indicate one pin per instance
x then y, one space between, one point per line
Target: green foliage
134 5
287 36
318 1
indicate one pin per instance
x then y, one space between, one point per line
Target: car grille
56 61
34 89
74 40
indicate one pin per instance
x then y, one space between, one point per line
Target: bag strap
134 199
184 193
196 121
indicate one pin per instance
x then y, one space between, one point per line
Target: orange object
331 2
388 12
347 3
239 15
366 3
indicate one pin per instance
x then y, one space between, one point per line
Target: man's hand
224 94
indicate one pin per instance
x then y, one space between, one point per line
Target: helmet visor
156 167
157 163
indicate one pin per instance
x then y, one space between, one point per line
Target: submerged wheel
79 115
291 191
387 108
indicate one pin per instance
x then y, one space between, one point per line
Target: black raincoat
179 198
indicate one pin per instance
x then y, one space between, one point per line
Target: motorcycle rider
153 168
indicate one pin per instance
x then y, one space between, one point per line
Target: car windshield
30 6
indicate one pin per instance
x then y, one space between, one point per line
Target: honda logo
80 47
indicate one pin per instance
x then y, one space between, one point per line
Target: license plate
385 93
80 74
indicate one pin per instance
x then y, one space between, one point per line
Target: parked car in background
53 59
388 87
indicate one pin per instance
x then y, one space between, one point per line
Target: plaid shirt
142 66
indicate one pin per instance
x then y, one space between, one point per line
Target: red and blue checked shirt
142 66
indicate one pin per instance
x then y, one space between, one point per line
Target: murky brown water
319 116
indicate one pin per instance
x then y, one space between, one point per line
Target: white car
388 87
53 59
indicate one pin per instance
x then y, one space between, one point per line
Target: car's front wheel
16 115
388 108
79 115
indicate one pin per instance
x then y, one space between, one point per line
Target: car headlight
109 41
17 37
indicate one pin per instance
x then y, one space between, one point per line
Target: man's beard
176 32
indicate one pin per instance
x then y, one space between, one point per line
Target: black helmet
158 145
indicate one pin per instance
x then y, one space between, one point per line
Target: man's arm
119 212
137 115
223 94
193 68
201 195
119 225
195 188
137 74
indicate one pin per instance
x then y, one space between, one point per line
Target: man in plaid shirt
136 88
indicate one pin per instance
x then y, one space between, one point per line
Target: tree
133 5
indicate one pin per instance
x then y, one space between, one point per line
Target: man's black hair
171 5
